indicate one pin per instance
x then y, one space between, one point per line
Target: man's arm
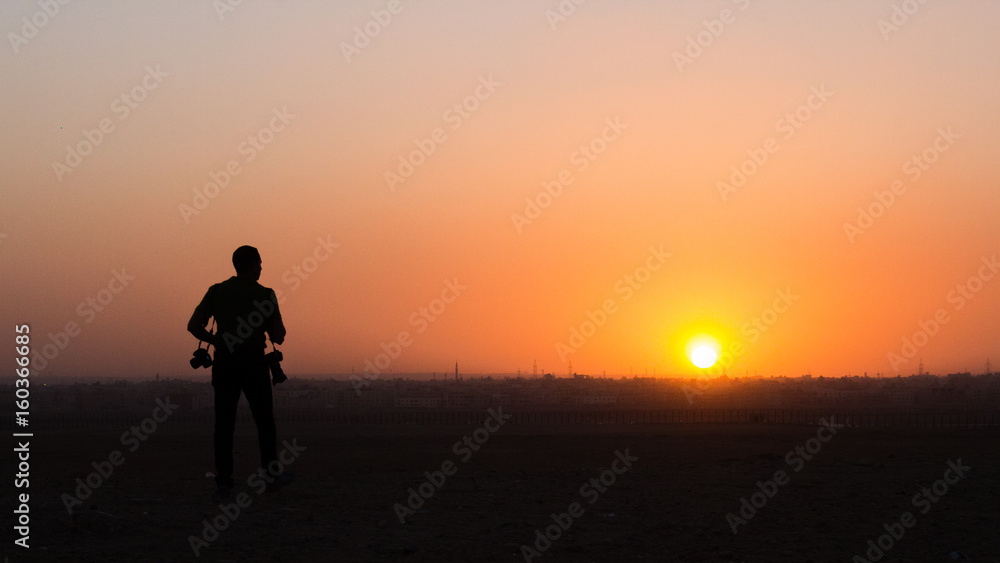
196 326
199 319
276 332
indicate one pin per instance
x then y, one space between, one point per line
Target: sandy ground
670 505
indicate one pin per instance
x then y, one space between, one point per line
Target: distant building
417 402
594 400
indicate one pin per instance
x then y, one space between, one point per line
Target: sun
703 351
704 356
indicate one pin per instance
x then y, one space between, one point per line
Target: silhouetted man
244 311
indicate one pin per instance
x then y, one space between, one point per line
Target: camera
273 360
201 359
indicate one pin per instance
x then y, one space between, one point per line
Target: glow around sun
703 351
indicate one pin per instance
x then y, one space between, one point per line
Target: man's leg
257 388
227 395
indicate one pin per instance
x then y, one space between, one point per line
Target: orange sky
617 101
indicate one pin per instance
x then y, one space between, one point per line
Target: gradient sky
553 88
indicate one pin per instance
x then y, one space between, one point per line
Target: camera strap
209 330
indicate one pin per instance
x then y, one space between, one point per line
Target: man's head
247 261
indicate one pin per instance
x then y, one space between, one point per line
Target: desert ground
669 504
